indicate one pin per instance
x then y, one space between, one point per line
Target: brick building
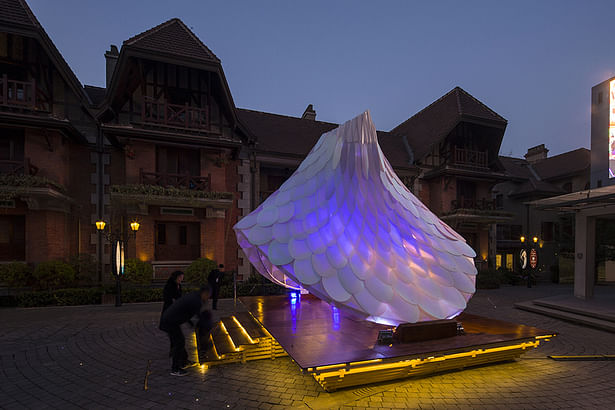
163 143
46 127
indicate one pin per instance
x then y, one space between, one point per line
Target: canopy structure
346 229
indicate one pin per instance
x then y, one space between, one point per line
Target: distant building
535 177
593 208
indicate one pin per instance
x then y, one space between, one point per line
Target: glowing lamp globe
100 225
134 225
346 229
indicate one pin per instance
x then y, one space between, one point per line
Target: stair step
238 335
576 310
222 340
251 325
568 316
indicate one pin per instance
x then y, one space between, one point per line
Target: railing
471 203
17 167
176 115
185 181
15 93
468 157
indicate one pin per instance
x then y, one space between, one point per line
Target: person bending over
215 279
181 311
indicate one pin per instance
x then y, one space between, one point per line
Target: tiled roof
296 136
570 162
17 11
538 174
173 37
515 167
96 94
434 122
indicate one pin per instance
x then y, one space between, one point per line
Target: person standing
171 292
172 289
180 312
215 279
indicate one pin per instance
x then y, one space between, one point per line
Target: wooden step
222 340
251 325
238 334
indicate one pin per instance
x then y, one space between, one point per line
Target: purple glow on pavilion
346 229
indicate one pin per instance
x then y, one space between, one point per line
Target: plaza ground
98 357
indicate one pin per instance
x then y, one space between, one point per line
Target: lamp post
118 238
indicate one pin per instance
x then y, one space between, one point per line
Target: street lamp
117 238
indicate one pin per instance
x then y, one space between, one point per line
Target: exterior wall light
535 239
522 239
134 225
100 225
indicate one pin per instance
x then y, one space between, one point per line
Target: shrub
198 271
510 277
133 295
488 279
53 275
60 297
138 271
16 274
85 268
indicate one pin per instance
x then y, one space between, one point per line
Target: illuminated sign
533 258
612 129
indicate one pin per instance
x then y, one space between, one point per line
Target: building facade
164 144
532 178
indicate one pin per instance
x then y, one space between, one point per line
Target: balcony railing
21 94
471 203
175 115
470 158
184 181
18 167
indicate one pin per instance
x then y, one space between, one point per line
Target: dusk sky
532 62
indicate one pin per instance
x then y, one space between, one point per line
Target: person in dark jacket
180 312
215 279
171 292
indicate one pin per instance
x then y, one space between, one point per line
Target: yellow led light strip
229 336
416 362
243 330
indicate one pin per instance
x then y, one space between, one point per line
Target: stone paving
98 357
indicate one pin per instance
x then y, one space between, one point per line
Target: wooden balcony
473 204
23 167
470 158
174 115
184 181
17 94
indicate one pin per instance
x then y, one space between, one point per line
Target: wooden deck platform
341 351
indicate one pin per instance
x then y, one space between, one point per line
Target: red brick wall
145 157
47 236
52 164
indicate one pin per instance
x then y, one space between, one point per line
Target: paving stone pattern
98 357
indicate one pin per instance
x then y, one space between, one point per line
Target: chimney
536 154
111 57
309 113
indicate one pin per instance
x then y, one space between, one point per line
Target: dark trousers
215 289
178 347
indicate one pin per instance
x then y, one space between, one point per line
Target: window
183 235
162 234
509 261
499 201
568 187
546 231
498 261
